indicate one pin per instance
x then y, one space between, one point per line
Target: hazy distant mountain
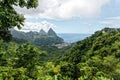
38 38
18 34
42 32
51 32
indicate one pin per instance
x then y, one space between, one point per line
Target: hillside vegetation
94 58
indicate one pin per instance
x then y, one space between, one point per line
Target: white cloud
65 9
111 21
31 26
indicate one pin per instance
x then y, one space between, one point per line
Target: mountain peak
42 32
51 32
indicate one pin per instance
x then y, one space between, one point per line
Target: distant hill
37 38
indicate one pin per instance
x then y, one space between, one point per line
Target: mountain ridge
42 32
38 38
51 32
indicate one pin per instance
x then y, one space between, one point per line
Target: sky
72 16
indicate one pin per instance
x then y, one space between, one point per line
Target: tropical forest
46 56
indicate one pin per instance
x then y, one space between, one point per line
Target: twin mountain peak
50 32
20 34
40 38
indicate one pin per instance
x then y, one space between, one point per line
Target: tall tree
9 18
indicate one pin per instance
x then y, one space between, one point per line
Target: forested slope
94 58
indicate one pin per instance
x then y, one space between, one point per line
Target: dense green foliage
97 56
9 18
25 62
94 58
19 61
54 53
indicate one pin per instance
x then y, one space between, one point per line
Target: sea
73 37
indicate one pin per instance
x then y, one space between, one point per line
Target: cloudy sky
72 16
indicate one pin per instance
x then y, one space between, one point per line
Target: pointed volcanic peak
52 33
42 32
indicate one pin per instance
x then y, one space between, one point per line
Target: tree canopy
97 57
9 18
94 58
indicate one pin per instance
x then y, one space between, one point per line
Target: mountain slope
42 32
95 56
18 34
51 32
38 38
